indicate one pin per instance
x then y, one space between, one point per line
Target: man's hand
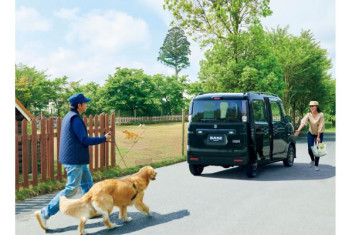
108 136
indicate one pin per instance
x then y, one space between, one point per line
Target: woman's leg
321 141
311 139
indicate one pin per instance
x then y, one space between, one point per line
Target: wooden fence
123 120
37 153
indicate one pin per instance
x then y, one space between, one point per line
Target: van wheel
196 169
288 162
252 169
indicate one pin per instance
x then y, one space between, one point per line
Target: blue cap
78 98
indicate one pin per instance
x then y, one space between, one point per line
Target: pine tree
175 50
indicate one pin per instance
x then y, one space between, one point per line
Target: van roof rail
261 93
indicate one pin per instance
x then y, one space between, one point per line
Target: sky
86 39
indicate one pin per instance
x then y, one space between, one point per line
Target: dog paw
112 225
84 232
146 213
127 219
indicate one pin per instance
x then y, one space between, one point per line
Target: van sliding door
261 126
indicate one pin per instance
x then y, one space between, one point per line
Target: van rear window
219 110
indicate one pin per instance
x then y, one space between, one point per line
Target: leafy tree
256 68
175 50
305 68
34 89
129 90
239 57
169 91
210 20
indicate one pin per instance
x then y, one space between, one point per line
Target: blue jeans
77 175
311 140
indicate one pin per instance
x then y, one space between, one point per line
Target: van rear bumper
233 158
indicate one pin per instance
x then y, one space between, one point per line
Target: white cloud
29 20
67 14
110 31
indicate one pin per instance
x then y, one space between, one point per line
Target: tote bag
319 150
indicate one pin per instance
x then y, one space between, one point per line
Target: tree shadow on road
277 172
140 221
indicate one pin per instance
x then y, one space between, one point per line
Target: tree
238 58
255 69
305 68
129 90
175 50
34 88
213 20
169 91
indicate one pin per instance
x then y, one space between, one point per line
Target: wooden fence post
24 154
43 154
17 168
58 135
183 132
34 153
96 147
102 149
112 144
50 138
90 147
106 144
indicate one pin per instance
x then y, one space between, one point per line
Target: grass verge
52 186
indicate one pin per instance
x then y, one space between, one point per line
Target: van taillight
217 98
238 160
194 159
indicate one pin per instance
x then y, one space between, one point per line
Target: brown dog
130 135
104 195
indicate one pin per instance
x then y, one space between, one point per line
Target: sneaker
41 220
311 164
316 168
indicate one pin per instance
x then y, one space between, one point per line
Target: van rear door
218 127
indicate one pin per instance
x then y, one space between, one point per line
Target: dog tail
76 207
66 205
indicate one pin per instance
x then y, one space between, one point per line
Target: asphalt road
280 200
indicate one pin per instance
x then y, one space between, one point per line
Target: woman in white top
315 118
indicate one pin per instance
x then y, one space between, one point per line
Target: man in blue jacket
74 155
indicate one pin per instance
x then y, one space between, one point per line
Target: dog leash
119 153
134 143
122 159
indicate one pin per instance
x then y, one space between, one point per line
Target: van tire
288 162
196 169
252 169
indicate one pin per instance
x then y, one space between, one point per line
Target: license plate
217 139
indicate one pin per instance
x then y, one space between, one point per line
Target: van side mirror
288 119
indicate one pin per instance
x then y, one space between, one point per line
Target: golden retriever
104 195
130 135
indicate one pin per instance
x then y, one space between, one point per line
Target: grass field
157 142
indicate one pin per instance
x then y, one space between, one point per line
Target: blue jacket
74 140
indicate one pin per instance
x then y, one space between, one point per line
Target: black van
239 129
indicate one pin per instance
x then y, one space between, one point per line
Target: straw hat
313 103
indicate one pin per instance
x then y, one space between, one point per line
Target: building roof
23 110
